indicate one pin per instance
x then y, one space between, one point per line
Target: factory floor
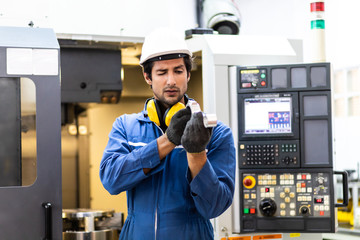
343 233
340 236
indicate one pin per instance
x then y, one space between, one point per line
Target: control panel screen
268 115
253 78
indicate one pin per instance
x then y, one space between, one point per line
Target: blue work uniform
166 203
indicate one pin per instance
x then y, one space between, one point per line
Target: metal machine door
30 131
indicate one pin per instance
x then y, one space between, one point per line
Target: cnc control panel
285 149
282 198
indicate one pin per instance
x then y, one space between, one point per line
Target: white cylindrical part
317 47
194 106
210 120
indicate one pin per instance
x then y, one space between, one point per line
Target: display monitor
268 115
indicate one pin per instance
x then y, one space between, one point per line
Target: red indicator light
303 185
303 177
321 213
252 211
263 83
317 7
267 189
319 200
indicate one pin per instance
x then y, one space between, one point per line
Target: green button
246 211
262 75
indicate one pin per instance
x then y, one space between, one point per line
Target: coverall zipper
157 197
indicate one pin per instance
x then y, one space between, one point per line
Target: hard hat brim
166 56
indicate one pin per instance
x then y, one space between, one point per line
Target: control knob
267 207
304 210
255 83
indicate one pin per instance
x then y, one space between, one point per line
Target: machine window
18 147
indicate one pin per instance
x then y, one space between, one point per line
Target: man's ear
147 79
188 79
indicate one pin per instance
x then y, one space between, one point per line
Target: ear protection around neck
153 111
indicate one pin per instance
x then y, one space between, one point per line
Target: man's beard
169 102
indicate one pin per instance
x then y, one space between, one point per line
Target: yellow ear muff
152 113
170 113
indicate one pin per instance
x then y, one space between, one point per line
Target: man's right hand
177 125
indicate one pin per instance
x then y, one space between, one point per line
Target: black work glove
177 125
196 136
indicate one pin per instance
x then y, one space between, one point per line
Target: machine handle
48 224
345 189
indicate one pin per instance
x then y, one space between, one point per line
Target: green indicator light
246 210
262 75
318 24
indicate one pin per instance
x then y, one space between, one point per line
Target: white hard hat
161 42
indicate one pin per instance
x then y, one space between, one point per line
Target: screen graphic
268 115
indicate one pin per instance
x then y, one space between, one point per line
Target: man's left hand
196 136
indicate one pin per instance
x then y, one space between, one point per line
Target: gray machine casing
22 211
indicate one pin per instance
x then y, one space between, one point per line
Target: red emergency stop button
249 182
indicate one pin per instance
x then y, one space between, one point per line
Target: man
179 176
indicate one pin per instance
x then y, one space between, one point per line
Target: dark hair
148 65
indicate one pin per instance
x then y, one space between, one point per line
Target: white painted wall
291 18
105 17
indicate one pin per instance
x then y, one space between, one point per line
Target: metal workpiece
91 224
82 213
210 120
95 235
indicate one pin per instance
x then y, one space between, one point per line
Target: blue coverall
166 203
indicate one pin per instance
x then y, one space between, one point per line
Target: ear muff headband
153 112
170 113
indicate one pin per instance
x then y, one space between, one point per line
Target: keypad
269 154
258 154
288 148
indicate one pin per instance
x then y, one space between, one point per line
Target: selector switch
304 210
267 207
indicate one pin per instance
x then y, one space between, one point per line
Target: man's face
169 81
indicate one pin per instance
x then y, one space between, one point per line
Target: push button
246 85
249 182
